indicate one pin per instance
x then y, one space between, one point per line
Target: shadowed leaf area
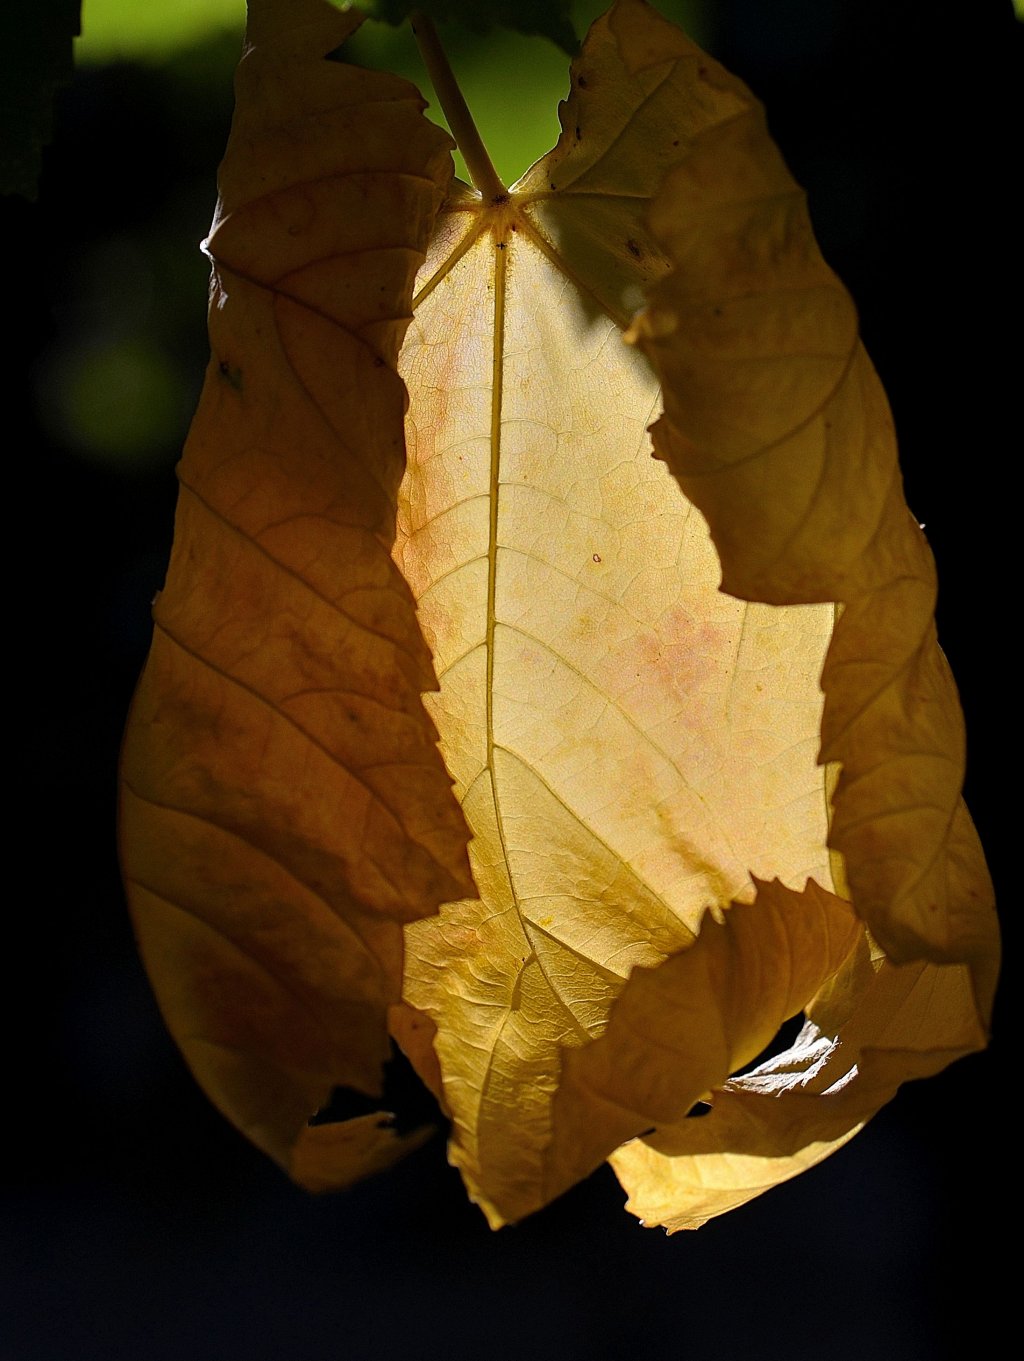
550 18
577 771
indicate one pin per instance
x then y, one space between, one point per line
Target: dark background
136 1223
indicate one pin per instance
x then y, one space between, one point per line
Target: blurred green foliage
118 385
550 18
113 401
512 81
151 31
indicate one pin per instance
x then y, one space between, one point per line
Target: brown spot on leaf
233 377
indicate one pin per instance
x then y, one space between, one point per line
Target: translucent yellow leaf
876 1028
284 806
629 744
679 1029
660 798
633 748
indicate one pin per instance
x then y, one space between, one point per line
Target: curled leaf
778 429
284 807
776 426
629 745
667 818
679 1029
875 1027
605 728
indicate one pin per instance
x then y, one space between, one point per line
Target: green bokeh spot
121 404
151 30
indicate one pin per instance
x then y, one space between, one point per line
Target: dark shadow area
783 1039
407 1102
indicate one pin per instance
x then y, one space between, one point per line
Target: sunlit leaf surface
632 747
659 879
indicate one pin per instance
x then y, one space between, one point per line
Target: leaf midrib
501 220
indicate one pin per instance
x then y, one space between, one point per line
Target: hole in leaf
404 1098
698 1109
783 1040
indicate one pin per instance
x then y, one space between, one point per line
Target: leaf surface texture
284 807
629 744
634 748
706 747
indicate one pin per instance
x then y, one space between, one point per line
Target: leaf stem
456 110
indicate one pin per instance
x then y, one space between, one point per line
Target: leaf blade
877 1026
679 1029
285 808
586 657
777 428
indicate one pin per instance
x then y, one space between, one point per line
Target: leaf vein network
354 775
279 979
262 849
290 571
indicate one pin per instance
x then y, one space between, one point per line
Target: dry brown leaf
777 428
284 806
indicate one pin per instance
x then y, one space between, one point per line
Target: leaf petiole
456 110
